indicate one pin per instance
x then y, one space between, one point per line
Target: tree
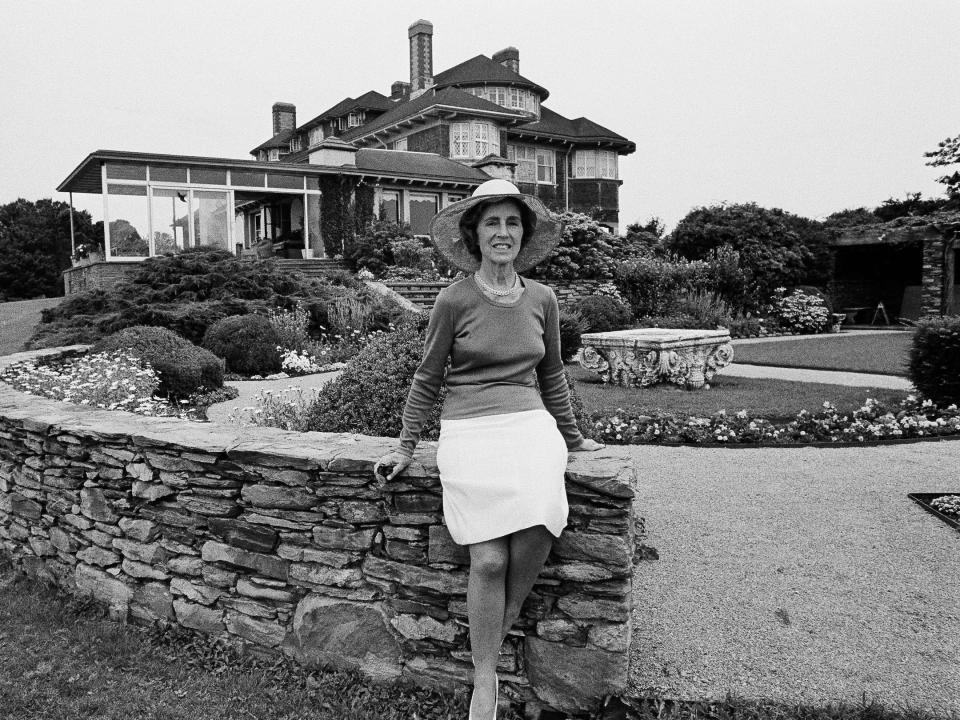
35 246
947 153
775 247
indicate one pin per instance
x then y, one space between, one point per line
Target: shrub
708 309
585 251
369 395
741 327
675 322
799 312
183 367
935 360
290 327
412 253
185 293
775 247
372 249
572 326
602 313
248 343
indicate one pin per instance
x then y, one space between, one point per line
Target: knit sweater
497 354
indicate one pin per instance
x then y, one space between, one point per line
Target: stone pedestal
638 358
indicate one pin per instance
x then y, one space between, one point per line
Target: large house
401 157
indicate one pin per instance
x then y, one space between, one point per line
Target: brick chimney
399 89
508 57
284 117
421 55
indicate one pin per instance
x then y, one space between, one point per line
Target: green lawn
771 399
18 320
885 354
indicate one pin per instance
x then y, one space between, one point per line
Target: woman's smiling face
500 232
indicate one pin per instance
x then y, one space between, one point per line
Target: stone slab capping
288 542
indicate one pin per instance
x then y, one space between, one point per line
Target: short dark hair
471 218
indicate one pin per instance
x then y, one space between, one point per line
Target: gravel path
829 377
250 389
798 575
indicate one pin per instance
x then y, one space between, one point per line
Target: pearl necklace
499 293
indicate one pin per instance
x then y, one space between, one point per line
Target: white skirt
502 473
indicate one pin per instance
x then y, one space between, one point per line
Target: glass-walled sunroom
155 209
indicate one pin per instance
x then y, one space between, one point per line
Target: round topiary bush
248 343
935 359
602 313
369 395
183 367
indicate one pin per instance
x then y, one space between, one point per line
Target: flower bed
911 419
115 380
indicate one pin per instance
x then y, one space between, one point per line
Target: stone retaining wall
287 542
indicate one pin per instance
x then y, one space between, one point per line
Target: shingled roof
427 165
447 97
280 140
481 69
554 125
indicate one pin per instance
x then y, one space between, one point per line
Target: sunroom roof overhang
87 176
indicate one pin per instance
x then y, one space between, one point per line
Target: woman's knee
489 561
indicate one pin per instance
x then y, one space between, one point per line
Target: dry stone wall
287 542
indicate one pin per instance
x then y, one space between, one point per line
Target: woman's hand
391 465
588 445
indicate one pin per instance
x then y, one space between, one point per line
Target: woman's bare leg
529 549
486 593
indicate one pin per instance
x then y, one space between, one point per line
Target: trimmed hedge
183 367
935 359
248 343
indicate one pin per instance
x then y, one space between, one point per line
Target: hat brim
445 233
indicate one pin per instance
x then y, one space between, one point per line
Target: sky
812 106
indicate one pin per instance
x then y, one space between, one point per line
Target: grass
62 658
884 354
18 320
763 398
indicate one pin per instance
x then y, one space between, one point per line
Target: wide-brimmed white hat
446 237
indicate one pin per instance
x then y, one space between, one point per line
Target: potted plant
87 254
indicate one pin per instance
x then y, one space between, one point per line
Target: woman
503 444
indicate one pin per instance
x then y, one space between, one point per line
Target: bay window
474 140
595 164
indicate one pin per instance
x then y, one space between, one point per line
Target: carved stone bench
638 358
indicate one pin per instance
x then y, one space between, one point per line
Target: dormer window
274 155
316 135
355 119
509 97
262 156
295 143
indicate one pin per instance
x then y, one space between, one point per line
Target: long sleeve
429 376
552 377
